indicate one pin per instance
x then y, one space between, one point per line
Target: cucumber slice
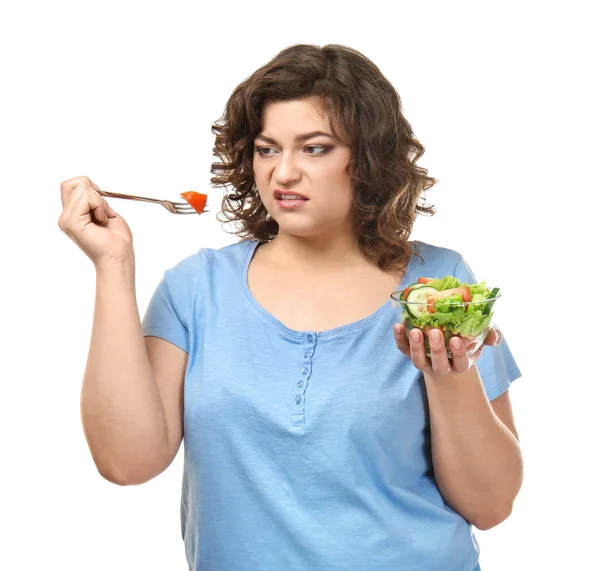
417 300
489 304
412 286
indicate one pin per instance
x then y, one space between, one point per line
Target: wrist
452 378
122 268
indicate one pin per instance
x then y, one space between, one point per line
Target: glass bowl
406 310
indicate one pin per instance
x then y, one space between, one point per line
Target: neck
316 253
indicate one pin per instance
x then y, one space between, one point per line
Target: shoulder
434 257
233 254
212 258
206 271
438 261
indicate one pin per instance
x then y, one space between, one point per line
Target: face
291 159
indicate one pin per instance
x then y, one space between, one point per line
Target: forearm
477 460
122 413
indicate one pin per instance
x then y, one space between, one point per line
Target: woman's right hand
93 225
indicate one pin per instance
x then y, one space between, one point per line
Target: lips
282 195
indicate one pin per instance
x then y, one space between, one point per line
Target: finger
109 211
460 357
68 186
401 340
491 338
75 207
417 350
439 353
86 203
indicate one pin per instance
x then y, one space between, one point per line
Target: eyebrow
298 138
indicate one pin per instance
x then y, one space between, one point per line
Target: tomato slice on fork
196 200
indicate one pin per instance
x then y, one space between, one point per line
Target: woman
316 436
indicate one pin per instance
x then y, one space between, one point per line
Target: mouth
283 196
289 200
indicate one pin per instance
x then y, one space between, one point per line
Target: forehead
295 114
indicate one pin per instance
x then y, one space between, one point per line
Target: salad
447 304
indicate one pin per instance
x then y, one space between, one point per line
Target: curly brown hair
365 110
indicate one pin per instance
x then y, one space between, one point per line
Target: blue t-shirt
304 450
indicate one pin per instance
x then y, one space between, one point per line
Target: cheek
262 183
260 175
335 169
337 180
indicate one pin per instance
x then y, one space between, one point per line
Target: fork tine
188 211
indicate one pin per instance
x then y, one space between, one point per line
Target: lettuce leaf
447 282
473 324
480 288
448 303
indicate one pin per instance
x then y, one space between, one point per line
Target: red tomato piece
196 200
430 306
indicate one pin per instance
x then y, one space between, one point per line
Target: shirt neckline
295 334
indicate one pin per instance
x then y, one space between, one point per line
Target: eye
260 150
323 148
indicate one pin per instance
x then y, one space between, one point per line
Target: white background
502 95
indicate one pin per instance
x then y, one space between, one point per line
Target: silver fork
172 207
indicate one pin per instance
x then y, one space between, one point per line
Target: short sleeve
497 366
168 313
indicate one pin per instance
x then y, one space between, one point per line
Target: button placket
299 397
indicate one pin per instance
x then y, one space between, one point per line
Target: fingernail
398 328
414 335
435 335
111 212
455 343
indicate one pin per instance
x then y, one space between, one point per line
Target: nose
286 171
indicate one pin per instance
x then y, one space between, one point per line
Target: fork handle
128 196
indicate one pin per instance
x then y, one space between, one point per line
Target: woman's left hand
439 364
